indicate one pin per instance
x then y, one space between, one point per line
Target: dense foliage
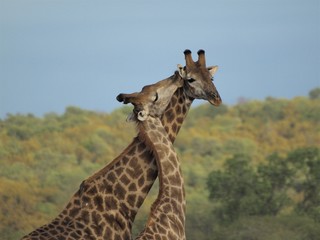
251 170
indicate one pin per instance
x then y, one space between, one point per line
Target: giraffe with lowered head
119 189
167 217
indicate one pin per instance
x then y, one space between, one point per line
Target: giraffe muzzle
215 99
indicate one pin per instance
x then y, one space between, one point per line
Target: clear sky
59 53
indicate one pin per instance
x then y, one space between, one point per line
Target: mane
140 128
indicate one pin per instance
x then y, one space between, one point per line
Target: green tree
233 189
242 191
314 93
275 177
307 163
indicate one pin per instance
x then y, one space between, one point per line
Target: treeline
251 170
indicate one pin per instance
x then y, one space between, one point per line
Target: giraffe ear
142 115
182 71
212 70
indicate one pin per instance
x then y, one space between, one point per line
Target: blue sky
59 53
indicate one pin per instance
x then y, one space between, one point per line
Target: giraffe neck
170 203
135 170
157 139
136 158
176 112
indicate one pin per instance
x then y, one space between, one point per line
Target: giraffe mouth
216 101
131 117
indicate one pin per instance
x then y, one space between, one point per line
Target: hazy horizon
55 54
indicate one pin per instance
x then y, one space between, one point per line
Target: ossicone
201 57
120 97
187 51
188 57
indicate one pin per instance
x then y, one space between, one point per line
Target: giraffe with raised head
168 212
119 189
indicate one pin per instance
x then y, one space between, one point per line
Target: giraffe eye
156 97
190 80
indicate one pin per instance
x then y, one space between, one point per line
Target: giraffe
119 189
167 217
77 228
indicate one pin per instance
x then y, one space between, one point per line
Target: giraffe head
153 99
199 78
